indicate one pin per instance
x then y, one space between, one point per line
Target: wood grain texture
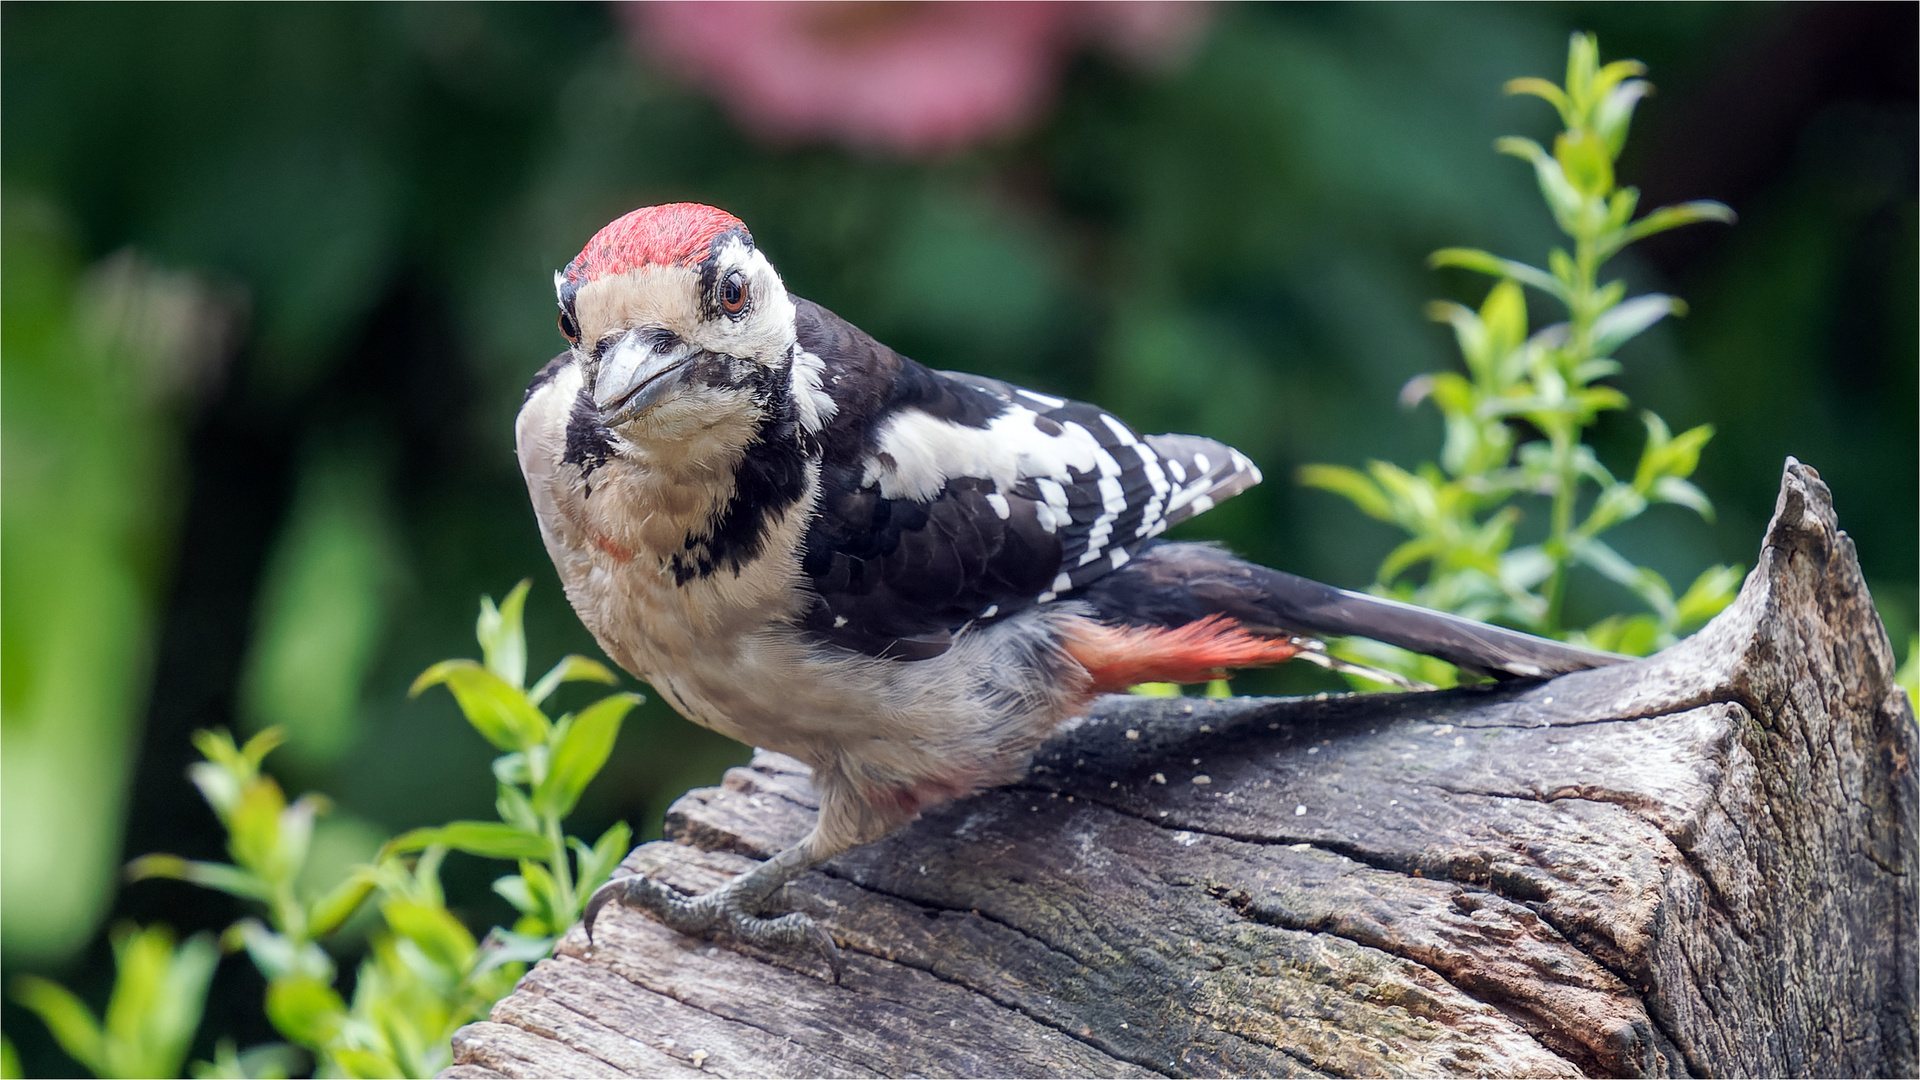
1698 864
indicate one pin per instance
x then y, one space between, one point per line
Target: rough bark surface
1698 864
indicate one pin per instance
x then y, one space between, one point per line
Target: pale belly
977 709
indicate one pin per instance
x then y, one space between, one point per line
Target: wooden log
1697 864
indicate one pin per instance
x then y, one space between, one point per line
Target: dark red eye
733 293
568 327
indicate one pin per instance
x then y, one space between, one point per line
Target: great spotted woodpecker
905 578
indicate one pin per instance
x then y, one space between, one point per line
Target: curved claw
614 889
788 931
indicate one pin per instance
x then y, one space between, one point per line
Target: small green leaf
1628 320
1599 399
1628 635
515 809
1563 198
1468 331
1645 583
487 839
500 712
254 830
607 853
306 1010
512 769
503 947
222 877
550 911
1452 393
1617 503
279 956
1589 370
1485 263
439 936
503 639
571 668
1585 162
1505 316
1409 554
1547 91
582 752
268 1061
1672 489
1670 217
338 905
513 889
219 785
1709 595
1583 61
1614 113
1620 207
1682 455
158 994
359 1064
71 1022
1351 484
1523 568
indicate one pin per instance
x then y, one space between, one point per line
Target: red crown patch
673 234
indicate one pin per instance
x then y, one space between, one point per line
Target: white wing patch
1065 458
923 452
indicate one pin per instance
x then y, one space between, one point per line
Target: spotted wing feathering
949 498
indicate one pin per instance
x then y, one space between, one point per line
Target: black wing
950 498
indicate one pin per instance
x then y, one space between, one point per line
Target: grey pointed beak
637 372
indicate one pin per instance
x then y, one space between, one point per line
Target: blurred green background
274 278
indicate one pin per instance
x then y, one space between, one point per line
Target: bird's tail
1174 585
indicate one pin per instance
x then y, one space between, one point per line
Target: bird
905 578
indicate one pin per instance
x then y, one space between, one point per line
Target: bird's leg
735 905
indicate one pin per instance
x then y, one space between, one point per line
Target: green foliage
101 363
547 765
158 993
1514 421
425 974
1908 677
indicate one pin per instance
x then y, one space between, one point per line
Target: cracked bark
1700 863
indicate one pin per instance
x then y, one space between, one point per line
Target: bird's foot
729 907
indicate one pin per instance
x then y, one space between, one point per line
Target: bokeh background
274 277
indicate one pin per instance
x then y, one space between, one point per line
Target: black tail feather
1171 584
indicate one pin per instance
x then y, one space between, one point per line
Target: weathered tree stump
1698 864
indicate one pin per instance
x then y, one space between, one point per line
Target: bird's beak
635 373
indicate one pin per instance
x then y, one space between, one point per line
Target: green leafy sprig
546 767
424 974
1461 512
159 991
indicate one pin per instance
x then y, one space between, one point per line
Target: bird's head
674 314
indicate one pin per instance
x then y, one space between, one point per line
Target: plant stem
1566 477
562 872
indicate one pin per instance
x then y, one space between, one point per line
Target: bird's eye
569 327
733 293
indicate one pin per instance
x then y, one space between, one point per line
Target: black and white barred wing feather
949 498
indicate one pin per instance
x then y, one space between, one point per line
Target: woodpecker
904 578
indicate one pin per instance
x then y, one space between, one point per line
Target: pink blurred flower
911 78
